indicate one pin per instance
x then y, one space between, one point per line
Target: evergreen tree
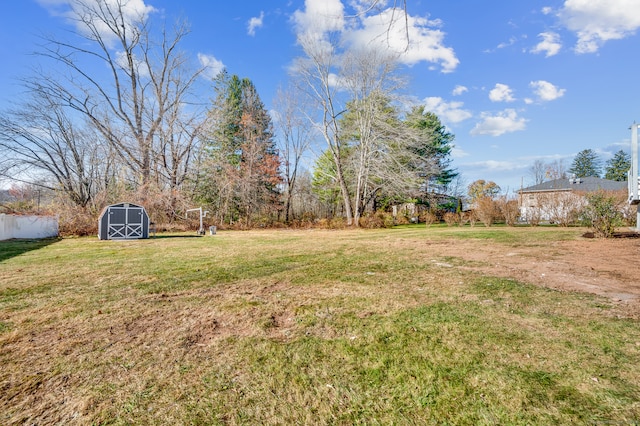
438 146
618 166
242 168
367 129
586 164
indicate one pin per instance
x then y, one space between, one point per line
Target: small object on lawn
202 215
212 230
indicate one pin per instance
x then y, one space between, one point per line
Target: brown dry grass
307 327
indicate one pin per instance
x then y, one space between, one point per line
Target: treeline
586 163
138 123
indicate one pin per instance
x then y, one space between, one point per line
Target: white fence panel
12 226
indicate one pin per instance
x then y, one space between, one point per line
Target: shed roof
584 184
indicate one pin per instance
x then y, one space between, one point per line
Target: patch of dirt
606 267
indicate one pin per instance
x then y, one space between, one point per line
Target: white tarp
13 226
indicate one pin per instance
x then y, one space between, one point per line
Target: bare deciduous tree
176 152
42 144
556 170
538 171
352 88
369 80
295 139
390 162
146 84
317 79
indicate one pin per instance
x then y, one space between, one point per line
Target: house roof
584 184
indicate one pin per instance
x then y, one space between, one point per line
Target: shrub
379 219
509 210
473 218
563 208
486 210
602 213
534 216
452 218
429 218
76 220
464 218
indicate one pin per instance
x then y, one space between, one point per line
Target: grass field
303 327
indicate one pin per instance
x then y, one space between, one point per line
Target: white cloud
319 17
389 30
501 93
547 10
141 67
254 23
316 22
413 39
507 173
511 42
506 121
598 21
449 112
133 12
334 80
546 91
459 90
211 65
494 165
457 152
550 44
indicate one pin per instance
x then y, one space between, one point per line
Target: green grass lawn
303 327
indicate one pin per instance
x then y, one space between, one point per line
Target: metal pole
634 161
199 209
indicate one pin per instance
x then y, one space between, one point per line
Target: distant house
433 201
555 199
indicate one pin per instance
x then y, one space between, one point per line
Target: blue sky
515 81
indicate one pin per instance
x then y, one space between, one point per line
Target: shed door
134 222
124 223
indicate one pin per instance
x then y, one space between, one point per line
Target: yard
410 325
